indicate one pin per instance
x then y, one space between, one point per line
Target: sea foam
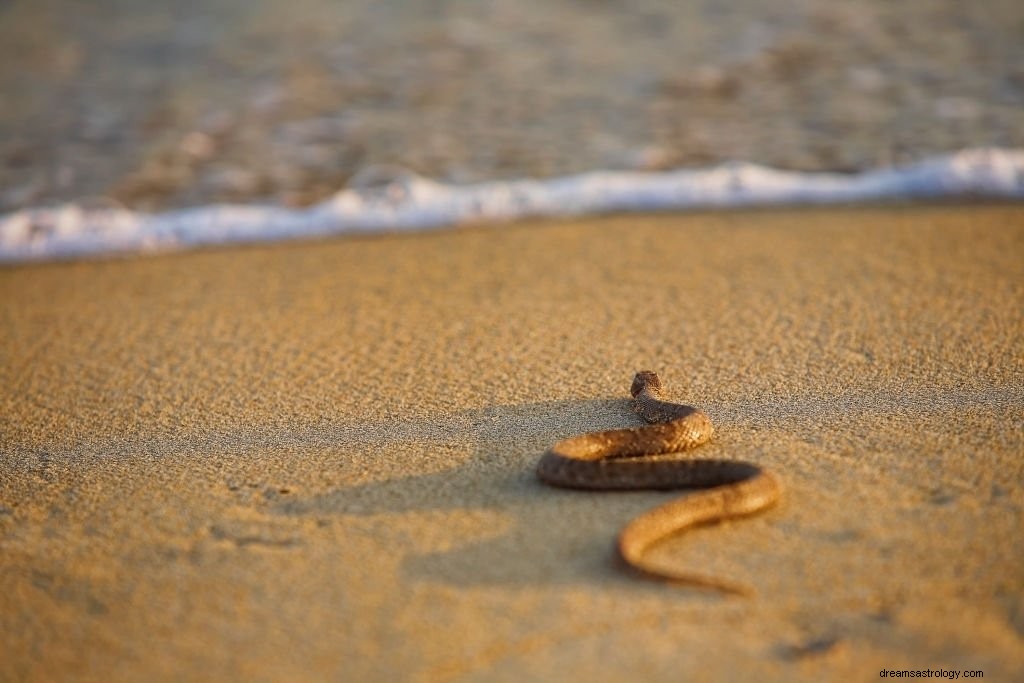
409 203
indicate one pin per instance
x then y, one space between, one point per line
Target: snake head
645 379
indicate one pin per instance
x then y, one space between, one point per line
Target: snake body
621 459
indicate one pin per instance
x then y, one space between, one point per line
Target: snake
635 458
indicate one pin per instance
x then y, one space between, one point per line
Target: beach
315 460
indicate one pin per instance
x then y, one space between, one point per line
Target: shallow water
412 203
154 106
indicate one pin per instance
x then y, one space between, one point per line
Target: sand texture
315 461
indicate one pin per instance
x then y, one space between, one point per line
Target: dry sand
315 461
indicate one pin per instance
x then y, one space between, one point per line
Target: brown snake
615 459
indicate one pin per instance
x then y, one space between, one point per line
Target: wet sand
315 460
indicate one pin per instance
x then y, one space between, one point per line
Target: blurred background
154 105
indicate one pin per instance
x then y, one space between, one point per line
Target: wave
409 203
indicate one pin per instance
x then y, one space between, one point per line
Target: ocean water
409 203
135 126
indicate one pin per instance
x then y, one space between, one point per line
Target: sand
314 461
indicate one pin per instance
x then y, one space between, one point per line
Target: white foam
412 203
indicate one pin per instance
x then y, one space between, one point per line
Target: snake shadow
544 535
541 534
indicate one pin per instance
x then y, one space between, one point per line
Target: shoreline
409 203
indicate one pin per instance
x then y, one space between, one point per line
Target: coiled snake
621 459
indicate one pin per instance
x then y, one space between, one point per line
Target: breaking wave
409 203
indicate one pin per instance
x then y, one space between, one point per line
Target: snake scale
622 459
